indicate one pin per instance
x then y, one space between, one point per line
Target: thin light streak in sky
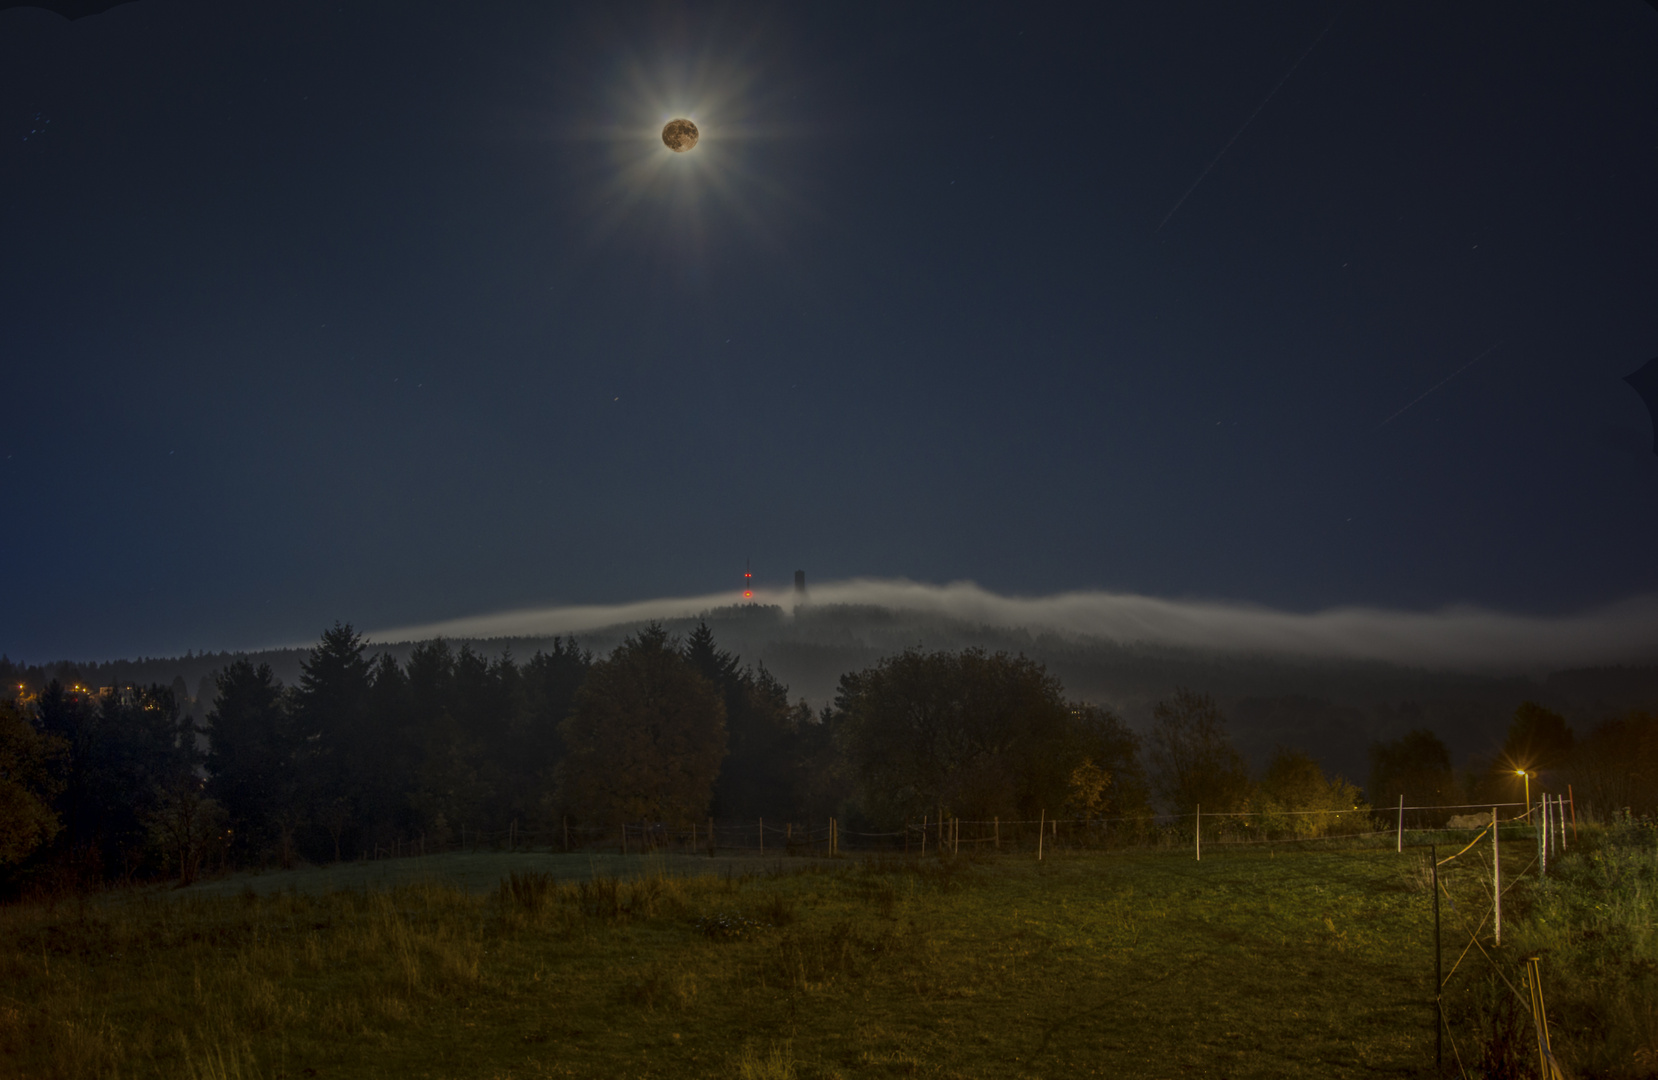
1440 383
1247 122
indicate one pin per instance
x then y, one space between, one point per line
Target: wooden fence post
1197 830
1540 1018
1547 831
1041 831
923 835
1438 979
1400 847
762 836
1542 837
996 824
1496 878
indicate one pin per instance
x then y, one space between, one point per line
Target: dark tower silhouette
800 584
748 582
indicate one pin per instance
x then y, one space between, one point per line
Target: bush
1594 922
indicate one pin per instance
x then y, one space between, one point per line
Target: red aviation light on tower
748 582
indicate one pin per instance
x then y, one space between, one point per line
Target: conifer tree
252 759
758 778
331 708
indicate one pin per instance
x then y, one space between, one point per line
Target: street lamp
1527 775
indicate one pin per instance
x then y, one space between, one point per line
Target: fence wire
1480 863
1472 882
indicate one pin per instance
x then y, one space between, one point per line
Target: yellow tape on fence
1464 851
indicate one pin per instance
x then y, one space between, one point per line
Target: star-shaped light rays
681 203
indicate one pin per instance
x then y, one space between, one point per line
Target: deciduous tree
1193 760
1538 740
646 737
29 782
1295 796
1416 765
1615 767
185 824
972 734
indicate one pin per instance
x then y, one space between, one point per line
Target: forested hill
1332 709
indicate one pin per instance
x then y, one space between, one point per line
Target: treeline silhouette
368 754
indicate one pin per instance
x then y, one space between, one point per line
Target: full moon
679 135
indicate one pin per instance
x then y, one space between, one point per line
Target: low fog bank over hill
1329 682
1456 638
1332 708
1332 703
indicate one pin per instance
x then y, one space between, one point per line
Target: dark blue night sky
397 312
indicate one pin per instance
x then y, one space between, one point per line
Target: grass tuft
531 891
775 1063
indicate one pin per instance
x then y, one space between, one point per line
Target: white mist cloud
1457 637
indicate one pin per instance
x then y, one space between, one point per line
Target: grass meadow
1253 962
